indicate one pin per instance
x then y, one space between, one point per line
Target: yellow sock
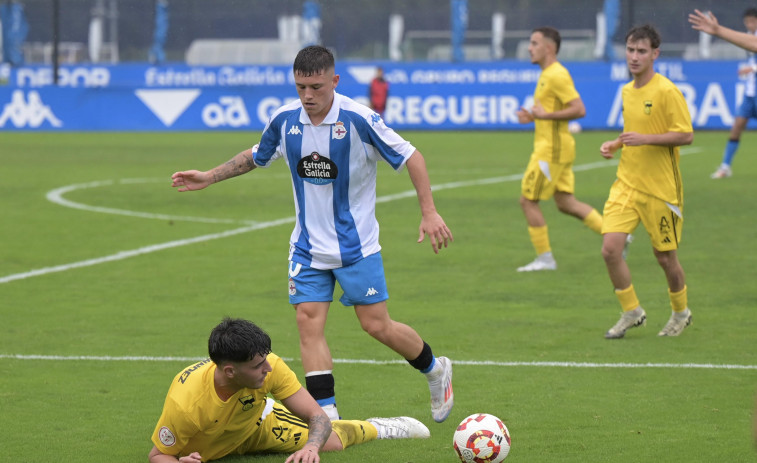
678 301
594 221
540 239
627 298
354 432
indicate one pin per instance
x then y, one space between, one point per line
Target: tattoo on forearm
320 430
238 165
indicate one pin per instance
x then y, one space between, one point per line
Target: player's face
252 373
640 56
538 48
316 93
750 23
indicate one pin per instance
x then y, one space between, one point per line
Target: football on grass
482 438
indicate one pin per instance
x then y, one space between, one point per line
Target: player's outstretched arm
708 23
432 223
191 180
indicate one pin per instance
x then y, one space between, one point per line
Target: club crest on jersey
648 107
338 130
317 169
247 402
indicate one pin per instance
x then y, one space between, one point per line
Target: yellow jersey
195 419
656 108
554 90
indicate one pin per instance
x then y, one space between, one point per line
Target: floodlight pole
56 38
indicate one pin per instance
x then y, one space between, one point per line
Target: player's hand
433 225
524 115
608 148
705 22
632 139
746 70
307 454
537 111
193 457
190 180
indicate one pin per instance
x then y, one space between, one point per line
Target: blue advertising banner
424 96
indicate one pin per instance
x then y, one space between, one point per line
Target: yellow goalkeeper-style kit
195 419
554 90
656 108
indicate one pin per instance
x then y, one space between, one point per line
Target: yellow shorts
543 178
280 431
626 207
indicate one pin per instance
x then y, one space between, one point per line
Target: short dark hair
647 31
552 34
237 340
750 12
313 60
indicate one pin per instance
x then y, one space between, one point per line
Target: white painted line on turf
144 250
57 196
108 358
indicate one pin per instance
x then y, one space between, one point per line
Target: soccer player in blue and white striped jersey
332 146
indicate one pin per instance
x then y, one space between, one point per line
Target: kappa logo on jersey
338 131
648 107
317 169
247 402
295 130
375 118
166 437
28 112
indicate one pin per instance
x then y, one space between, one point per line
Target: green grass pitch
110 281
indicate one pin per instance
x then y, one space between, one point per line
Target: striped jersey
333 170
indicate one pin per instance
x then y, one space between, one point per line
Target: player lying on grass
221 406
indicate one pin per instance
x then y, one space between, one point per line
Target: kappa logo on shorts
371 292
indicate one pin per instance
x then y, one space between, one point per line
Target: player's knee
611 253
375 328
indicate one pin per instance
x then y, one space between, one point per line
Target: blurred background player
332 146
379 92
648 188
221 406
550 170
748 108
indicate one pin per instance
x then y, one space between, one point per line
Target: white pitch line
107 358
56 196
